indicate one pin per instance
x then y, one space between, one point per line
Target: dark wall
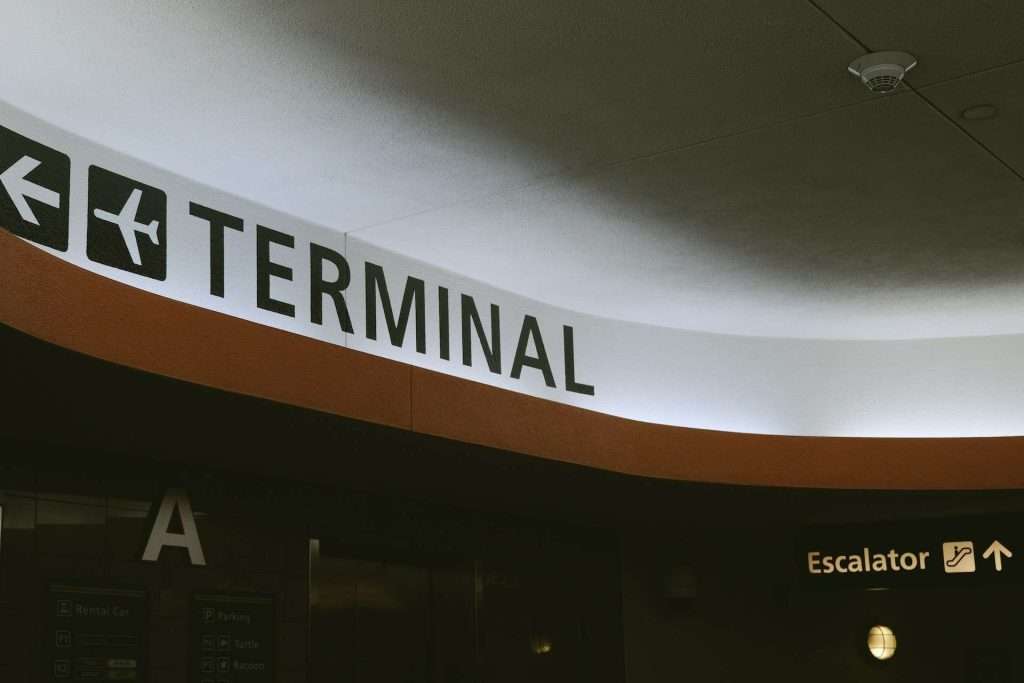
486 585
85 524
74 426
749 621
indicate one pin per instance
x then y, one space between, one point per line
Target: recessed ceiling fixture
882 72
980 112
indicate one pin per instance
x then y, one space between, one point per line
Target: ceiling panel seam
979 72
835 22
970 136
931 105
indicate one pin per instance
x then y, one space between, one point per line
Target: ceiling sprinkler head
882 71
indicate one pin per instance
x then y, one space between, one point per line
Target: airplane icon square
958 557
126 224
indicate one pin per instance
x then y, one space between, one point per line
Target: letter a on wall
161 536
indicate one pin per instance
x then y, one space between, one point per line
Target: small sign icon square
958 557
63 639
223 665
223 642
64 608
209 641
127 224
35 181
62 668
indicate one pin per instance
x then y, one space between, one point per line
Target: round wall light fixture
881 642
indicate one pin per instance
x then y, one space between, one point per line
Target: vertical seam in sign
931 105
344 236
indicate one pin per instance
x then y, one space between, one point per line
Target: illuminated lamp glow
881 642
540 645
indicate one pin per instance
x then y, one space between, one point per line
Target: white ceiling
697 165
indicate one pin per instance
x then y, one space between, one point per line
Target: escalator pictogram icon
958 557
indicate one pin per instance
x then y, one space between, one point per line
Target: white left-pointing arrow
19 187
998 550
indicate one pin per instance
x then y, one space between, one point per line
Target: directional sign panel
232 638
954 552
35 182
95 634
127 224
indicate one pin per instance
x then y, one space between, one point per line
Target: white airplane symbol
129 227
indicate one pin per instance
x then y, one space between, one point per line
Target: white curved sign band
147 228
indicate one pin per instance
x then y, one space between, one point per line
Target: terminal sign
961 551
188 243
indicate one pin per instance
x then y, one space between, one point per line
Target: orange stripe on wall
58 302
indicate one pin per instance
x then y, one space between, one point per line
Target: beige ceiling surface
874 221
950 38
699 165
1002 88
594 80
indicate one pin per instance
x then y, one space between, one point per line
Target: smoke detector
882 72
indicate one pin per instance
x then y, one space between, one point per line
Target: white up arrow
998 550
18 187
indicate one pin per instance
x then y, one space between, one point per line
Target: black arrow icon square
35 182
127 224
